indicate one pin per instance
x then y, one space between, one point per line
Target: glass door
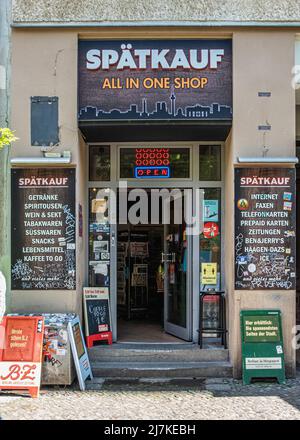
102 244
176 258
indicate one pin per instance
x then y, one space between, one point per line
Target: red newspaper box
21 344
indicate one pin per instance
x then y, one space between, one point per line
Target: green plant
6 137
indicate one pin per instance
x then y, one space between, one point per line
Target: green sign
262 345
260 329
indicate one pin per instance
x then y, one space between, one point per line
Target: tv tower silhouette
173 104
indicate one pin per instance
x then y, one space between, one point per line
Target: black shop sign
265 228
146 80
43 229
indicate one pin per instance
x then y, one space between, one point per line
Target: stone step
161 369
156 353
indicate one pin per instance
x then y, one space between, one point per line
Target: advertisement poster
21 353
210 210
155 79
265 220
99 238
208 273
210 230
43 229
261 328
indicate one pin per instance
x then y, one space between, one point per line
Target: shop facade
136 113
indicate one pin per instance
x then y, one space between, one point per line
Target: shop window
160 162
99 238
210 239
209 162
99 163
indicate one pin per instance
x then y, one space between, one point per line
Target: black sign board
43 229
265 228
96 310
155 80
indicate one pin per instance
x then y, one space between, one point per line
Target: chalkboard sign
96 310
265 222
262 345
43 229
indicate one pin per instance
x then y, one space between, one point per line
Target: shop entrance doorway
152 272
174 279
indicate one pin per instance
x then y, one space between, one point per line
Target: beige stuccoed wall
229 234
37 11
44 62
262 61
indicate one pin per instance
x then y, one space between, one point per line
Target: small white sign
264 363
20 374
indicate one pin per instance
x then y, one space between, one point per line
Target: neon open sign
152 163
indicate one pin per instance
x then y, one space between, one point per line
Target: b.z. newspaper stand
262 345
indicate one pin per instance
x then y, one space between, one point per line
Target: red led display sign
152 157
152 162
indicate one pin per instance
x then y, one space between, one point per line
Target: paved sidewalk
162 399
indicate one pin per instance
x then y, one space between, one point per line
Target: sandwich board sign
97 314
79 351
21 345
262 345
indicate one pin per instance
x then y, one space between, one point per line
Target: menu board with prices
43 229
265 221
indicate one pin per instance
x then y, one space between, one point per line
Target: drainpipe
5 19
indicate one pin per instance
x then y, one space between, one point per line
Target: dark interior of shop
140 283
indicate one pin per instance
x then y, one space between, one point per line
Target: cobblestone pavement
154 400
